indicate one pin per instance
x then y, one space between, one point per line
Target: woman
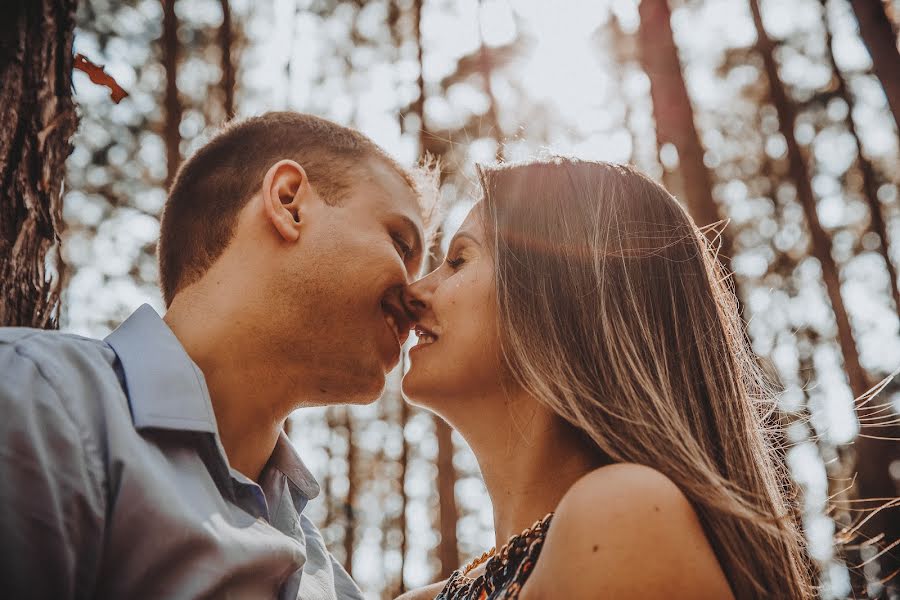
582 338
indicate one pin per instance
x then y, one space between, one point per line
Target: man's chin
390 358
371 389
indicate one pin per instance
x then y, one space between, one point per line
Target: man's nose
395 304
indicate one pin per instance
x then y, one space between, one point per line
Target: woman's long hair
614 313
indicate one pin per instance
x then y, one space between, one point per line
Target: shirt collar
286 460
165 389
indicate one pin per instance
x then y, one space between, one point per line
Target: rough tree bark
873 457
880 39
37 119
674 115
226 41
172 102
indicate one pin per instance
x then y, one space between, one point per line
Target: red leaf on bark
97 75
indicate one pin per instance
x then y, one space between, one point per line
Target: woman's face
457 358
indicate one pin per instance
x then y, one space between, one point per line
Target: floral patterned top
505 573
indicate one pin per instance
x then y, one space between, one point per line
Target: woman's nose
415 296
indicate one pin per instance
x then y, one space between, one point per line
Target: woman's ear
286 192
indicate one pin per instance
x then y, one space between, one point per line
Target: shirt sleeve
52 507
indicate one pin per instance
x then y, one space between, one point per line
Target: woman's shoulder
627 529
621 485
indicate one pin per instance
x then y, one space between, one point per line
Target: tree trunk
874 457
485 69
172 102
873 480
37 119
870 182
821 241
880 39
404 465
674 115
418 107
448 551
350 504
327 494
226 39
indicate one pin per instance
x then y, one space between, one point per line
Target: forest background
773 121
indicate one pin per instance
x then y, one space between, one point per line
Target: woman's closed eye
456 263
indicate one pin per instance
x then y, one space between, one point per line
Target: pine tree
675 117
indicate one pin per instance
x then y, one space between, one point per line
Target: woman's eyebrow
468 236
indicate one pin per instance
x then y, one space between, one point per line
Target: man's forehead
391 192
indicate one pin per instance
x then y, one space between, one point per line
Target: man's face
358 256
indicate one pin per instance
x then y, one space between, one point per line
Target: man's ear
286 193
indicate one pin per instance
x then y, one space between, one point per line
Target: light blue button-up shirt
114 484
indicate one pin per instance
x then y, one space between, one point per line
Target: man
154 464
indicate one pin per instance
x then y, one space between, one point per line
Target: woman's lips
425 336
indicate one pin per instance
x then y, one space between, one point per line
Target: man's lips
401 330
396 316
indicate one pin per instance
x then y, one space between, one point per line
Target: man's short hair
213 186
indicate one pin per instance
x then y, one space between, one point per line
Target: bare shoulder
621 486
627 531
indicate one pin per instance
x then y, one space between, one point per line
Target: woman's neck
529 464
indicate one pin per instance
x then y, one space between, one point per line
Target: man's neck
246 389
528 464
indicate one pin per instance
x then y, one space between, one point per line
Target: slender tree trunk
870 182
880 39
484 66
327 493
873 457
350 504
821 241
226 39
674 115
172 102
37 119
448 550
623 47
404 465
418 107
